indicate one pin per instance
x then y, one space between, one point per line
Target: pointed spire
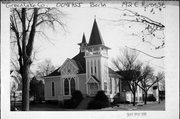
95 37
84 39
83 42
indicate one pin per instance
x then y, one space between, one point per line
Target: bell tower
96 55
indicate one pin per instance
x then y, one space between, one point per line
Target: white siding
48 88
82 83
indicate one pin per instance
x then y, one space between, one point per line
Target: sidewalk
150 106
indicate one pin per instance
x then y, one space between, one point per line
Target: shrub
101 96
100 101
125 102
74 101
68 104
151 98
77 96
118 99
52 102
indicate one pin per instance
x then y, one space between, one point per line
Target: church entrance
92 89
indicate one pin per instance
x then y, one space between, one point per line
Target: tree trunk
145 98
25 87
134 98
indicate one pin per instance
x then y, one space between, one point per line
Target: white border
172 76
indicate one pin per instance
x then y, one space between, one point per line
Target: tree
45 68
37 89
130 70
25 23
146 80
143 28
160 78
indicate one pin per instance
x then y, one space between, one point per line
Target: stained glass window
66 87
72 85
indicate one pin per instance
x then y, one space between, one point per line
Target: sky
61 45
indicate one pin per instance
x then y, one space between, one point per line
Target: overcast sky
62 45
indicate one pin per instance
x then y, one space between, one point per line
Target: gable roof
55 73
80 62
95 37
112 72
93 78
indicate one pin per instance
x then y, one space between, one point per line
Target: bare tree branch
20 17
146 53
32 33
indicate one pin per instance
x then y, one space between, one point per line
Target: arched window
52 88
72 85
66 87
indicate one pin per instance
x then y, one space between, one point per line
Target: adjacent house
15 84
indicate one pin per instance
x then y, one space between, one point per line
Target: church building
87 72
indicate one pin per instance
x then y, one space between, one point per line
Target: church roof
95 78
55 73
111 71
80 61
95 37
81 64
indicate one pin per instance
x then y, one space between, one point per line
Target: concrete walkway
84 103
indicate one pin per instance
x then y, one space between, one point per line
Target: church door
93 88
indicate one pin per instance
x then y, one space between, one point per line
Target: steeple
96 57
83 43
95 37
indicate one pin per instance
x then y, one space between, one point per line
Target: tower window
91 67
95 69
91 70
95 66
